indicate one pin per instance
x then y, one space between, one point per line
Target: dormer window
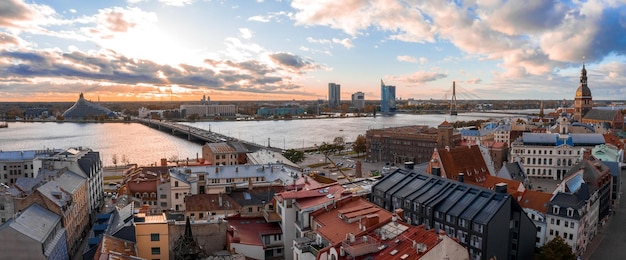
555 209
570 212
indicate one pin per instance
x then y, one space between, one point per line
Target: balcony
271 216
301 226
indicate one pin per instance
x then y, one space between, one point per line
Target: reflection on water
139 143
144 145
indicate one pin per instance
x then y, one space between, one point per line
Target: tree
114 159
124 159
294 156
359 144
339 143
327 149
556 249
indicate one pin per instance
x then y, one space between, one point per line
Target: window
201 216
155 237
570 212
156 250
176 184
566 223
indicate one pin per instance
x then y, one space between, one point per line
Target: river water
144 146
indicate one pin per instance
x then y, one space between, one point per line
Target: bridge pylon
453 111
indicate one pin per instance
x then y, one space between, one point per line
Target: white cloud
407 58
319 41
345 42
176 2
417 78
245 33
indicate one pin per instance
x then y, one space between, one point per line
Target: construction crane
338 168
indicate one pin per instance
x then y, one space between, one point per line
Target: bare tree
124 159
114 159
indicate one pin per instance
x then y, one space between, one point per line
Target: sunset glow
283 50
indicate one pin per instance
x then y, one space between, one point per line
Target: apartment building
476 216
152 236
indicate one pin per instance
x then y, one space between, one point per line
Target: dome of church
83 108
583 91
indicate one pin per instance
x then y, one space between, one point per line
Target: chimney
409 165
399 213
358 170
371 220
461 177
436 171
163 162
586 154
501 187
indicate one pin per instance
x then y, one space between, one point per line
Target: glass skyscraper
388 98
334 93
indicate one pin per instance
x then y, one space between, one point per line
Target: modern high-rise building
358 100
388 98
334 94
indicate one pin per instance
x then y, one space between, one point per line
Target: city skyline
162 50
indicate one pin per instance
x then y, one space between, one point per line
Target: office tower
334 94
388 98
358 100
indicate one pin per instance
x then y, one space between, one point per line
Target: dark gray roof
565 200
390 180
411 187
83 108
239 147
456 198
51 190
553 139
512 171
588 139
121 217
35 222
601 114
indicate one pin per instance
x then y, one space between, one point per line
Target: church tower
582 102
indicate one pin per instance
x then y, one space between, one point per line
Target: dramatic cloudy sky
51 50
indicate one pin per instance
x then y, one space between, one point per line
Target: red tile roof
536 200
512 186
313 196
248 231
221 148
343 218
405 246
210 202
445 123
463 159
611 138
115 248
142 186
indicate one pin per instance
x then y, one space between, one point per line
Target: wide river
144 146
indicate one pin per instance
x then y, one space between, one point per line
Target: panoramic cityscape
305 130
